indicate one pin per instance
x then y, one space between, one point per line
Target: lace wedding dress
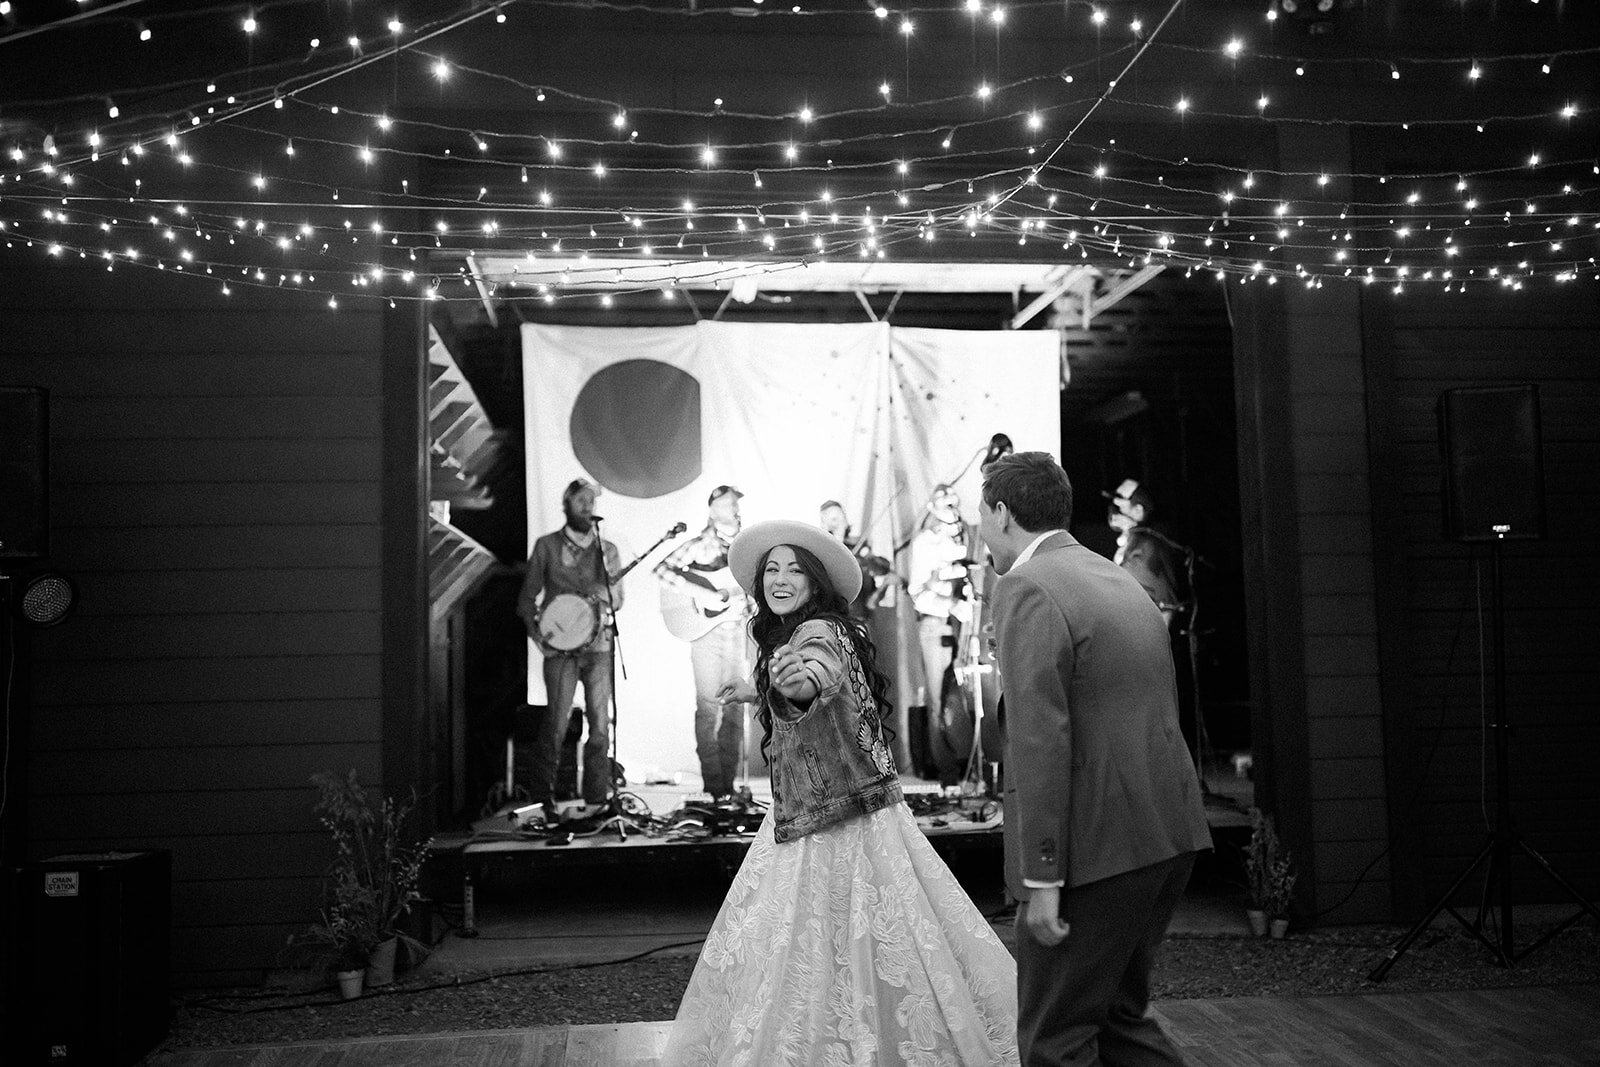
849 947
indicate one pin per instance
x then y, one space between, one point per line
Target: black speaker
88 964
24 488
1493 464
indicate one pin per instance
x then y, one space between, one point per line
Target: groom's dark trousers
1116 926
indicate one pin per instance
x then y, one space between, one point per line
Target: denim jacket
830 760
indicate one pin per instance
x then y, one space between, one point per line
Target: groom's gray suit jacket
1098 780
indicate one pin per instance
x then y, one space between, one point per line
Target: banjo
569 624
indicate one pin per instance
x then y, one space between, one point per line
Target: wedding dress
849 947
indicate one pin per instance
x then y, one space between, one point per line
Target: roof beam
872 315
483 291
1070 280
1095 305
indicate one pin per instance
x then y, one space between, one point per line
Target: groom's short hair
1034 486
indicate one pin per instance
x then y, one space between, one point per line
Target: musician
703 604
1144 551
875 570
1161 565
936 580
570 561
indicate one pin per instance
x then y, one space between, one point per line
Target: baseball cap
721 491
576 486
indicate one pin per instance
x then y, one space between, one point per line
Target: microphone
596 518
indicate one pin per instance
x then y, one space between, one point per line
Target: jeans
561 677
719 657
932 630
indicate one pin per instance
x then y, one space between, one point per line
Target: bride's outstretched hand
789 674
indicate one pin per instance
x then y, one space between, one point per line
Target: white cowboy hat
751 546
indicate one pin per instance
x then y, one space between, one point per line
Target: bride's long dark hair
769 630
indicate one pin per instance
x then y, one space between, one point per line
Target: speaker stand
1503 840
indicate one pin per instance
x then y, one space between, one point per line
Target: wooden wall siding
1421 347
1343 734
1325 749
216 495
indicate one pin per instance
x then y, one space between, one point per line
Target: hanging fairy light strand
999 192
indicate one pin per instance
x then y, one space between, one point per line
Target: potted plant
1280 886
1269 870
372 881
344 937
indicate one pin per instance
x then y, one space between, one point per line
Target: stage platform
668 824
674 825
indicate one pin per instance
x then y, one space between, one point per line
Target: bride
844 939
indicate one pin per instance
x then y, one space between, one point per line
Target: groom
1103 814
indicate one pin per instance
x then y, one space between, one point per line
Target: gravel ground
1336 960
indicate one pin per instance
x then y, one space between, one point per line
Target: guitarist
570 560
703 604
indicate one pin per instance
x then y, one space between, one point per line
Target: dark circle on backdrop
636 428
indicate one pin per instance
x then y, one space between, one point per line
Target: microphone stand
614 652
613 804
1191 631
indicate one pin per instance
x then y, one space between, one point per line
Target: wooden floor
1528 1027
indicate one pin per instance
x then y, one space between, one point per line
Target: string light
1127 200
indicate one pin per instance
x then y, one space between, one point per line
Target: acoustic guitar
692 612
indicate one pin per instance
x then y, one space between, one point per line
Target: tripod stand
1503 839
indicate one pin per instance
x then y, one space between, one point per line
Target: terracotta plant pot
1258 921
1279 928
349 983
380 965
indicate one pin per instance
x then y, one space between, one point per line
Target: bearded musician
570 567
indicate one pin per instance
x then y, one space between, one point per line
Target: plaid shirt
705 554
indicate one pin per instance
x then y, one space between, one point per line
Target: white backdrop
870 415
